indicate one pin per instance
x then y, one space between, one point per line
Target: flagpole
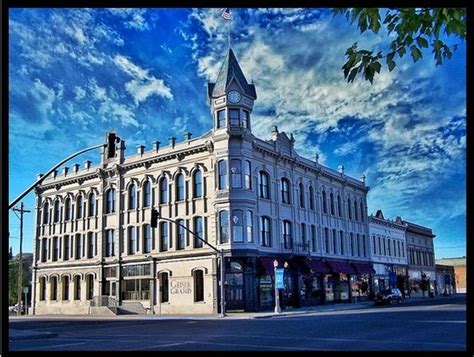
230 21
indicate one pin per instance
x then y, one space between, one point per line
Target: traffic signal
112 140
154 218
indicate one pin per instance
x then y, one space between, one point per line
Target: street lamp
155 216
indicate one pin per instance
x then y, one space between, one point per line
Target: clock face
234 96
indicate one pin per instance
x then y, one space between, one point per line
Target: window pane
223 180
236 173
249 219
224 226
164 190
237 229
179 187
163 236
198 229
248 177
197 184
221 119
234 117
146 194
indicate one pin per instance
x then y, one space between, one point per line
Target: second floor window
326 239
197 181
355 211
57 211
199 230
224 226
236 173
285 190
181 235
67 209
237 226
349 212
249 221
248 175
325 203
92 209
110 201
301 186
264 185
331 201
179 187
163 190
146 238
109 243
146 194
132 197
46 213
132 240
163 236
311 198
223 178
79 207
339 206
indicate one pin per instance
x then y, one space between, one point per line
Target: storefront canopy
340 267
363 268
267 264
318 266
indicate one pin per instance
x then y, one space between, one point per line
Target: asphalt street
428 326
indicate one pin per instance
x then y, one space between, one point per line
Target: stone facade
459 265
258 200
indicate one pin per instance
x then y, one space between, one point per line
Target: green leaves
413 27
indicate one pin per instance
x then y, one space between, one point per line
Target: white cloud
143 85
134 18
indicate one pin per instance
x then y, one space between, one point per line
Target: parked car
389 296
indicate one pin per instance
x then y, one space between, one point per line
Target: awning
363 268
318 266
267 264
340 267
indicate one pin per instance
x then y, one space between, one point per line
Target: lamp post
277 294
155 216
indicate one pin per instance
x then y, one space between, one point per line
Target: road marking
438 321
158 346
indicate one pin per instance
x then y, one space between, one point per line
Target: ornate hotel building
96 252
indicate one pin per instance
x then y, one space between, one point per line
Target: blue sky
76 73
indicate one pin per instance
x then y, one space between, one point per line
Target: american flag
225 13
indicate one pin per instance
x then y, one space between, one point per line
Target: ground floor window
360 286
329 287
42 295
90 287
164 287
311 288
136 289
198 285
66 288
54 288
77 287
265 290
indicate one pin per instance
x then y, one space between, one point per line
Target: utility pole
20 266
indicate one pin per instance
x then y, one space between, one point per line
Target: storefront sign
279 278
180 287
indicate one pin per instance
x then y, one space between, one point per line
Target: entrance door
235 287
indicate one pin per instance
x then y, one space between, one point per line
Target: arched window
355 210
248 174
264 185
199 230
249 222
331 202
224 226
65 283
80 207
303 236
92 206
287 241
361 212
325 204
265 232
57 211
326 239
197 180
164 287
163 236
237 226
301 195
67 209
54 288
163 190
132 196
339 206
198 277
181 235
285 190
146 194
223 178
311 198
349 213
236 173
179 187
132 240
110 201
77 287
146 238
90 286
46 213
42 290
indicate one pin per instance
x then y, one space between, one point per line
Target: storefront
361 281
337 283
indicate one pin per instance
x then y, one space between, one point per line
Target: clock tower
231 98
